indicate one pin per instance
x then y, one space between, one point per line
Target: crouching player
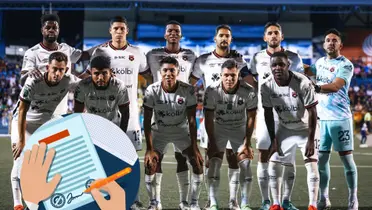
174 106
292 95
230 113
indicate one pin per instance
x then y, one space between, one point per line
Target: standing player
37 102
208 67
186 59
174 106
127 62
333 75
102 94
292 96
230 113
260 65
35 59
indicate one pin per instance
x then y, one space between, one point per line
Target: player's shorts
30 129
160 142
291 139
204 137
234 137
134 133
336 132
262 134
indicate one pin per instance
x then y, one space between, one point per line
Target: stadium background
85 24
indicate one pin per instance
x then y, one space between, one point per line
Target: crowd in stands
360 93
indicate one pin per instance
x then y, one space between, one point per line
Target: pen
109 179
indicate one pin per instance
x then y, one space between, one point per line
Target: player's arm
251 80
307 70
124 111
191 117
78 106
333 87
196 72
144 69
268 111
248 73
313 117
79 98
22 111
251 110
29 68
147 115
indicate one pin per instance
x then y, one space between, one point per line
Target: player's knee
232 159
181 162
214 169
195 168
263 155
245 170
343 153
310 160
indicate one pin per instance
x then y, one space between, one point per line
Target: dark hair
173 22
335 32
58 56
100 62
280 54
223 26
169 60
229 64
49 17
268 24
118 19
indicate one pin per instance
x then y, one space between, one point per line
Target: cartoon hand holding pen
35 188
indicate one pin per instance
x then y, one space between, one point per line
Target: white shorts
161 141
233 137
134 133
262 134
204 137
30 129
291 140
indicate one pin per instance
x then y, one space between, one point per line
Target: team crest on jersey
294 94
111 97
180 100
332 69
184 58
131 57
240 101
215 77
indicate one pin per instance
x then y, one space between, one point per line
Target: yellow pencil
109 179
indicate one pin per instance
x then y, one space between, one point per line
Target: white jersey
170 109
260 64
44 98
126 64
37 57
185 58
208 66
104 103
290 102
230 109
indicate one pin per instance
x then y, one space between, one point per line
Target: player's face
332 44
279 68
118 31
173 33
229 78
273 36
223 38
169 73
56 71
50 31
101 77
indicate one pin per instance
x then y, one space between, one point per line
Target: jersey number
343 136
316 142
136 135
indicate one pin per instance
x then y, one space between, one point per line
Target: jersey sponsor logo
231 112
119 57
95 110
284 108
131 57
280 95
159 101
264 63
348 67
291 121
323 79
162 113
26 92
122 70
162 124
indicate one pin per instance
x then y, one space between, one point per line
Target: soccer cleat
159 206
265 205
233 205
153 205
214 207
18 207
324 204
183 206
276 207
245 207
137 206
312 208
353 205
287 205
194 206
207 205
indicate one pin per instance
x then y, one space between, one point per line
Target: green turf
170 196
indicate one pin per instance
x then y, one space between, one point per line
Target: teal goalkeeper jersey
333 106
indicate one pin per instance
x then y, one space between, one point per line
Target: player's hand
310 148
198 157
117 196
151 158
17 149
34 173
36 74
247 151
275 147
